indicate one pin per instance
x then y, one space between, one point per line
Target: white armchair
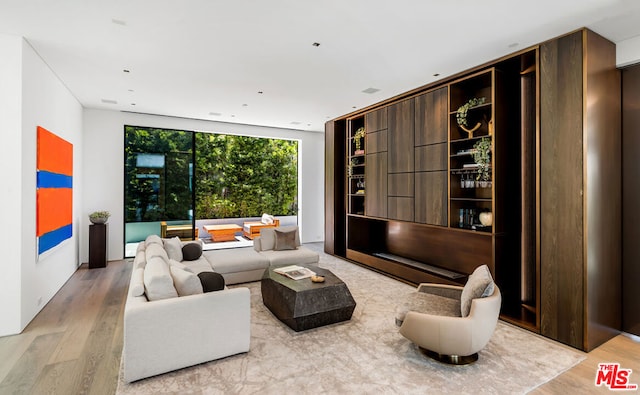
432 319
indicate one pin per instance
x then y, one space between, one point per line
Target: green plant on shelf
482 157
461 113
357 137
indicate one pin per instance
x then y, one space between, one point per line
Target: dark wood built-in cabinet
414 195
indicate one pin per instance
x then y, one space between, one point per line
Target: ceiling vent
107 101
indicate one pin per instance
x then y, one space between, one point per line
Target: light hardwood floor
74 345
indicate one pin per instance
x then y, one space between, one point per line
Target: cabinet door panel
375 203
561 201
401 184
400 208
376 142
401 136
375 120
431 157
431 117
431 198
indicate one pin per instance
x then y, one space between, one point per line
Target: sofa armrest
170 334
444 290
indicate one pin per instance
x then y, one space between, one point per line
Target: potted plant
357 139
462 115
482 157
99 217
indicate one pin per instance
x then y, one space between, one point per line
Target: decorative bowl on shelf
317 279
99 217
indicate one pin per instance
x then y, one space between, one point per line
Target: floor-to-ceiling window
190 179
158 180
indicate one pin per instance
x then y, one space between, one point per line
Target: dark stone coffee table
302 304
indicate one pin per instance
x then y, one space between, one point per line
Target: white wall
104 169
30 96
628 52
10 187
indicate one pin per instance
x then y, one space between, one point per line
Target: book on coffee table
295 272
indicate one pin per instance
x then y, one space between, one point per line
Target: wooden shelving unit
416 214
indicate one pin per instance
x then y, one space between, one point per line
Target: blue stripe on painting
46 179
51 239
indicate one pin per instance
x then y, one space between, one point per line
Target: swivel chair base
450 359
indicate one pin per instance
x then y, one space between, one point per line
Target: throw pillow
191 251
186 283
285 240
154 250
211 281
153 239
479 285
158 283
173 246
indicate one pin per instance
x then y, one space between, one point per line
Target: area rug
365 355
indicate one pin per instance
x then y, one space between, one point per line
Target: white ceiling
209 59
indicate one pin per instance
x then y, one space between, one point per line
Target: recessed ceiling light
109 101
354 107
118 22
371 90
316 44
260 92
126 71
133 104
233 116
215 114
131 90
245 105
295 123
436 74
513 45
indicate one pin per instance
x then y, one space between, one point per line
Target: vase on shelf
486 218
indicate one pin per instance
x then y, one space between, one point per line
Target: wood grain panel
396 270
400 208
603 191
401 184
630 199
401 137
376 141
452 249
431 198
375 120
375 175
431 157
431 117
334 187
561 204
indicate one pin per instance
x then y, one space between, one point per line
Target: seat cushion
427 303
479 285
300 255
199 265
235 260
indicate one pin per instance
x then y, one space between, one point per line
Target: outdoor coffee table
222 232
302 304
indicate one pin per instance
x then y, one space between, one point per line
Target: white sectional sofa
169 323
